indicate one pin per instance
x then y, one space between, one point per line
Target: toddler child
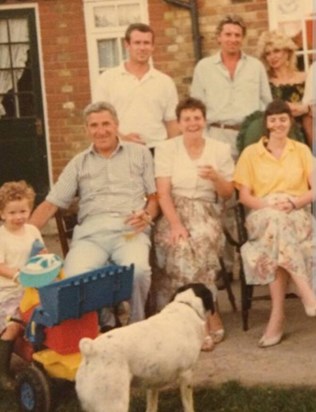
16 240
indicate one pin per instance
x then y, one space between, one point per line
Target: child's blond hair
19 190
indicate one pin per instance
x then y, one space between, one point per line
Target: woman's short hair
98 107
277 40
16 190
277 106
232 19
190 103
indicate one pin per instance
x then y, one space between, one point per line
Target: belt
225 126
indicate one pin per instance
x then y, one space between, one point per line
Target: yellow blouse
263 174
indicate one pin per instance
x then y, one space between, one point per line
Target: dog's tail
86 346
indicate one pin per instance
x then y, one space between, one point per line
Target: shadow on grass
230 397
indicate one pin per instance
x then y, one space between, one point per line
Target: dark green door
23 153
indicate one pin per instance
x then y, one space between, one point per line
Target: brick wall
66 75
174 52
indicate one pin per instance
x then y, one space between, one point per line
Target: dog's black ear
202 291
206 295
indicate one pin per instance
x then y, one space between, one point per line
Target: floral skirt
191 260
278 239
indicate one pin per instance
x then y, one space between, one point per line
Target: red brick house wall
65 60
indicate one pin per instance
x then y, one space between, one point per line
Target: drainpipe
191 5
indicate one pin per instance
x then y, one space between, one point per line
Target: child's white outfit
14 252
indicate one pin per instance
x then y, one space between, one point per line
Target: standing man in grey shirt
115 184
231 83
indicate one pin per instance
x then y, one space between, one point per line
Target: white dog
159 350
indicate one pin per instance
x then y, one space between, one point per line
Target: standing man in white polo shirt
144 97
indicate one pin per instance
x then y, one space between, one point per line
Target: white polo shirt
142 105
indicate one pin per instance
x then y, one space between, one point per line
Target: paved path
293 362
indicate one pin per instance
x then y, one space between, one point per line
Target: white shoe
310 310
265 342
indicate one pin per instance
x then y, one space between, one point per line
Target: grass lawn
230 397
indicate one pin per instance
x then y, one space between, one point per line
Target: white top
172 160
142 105
15 251
310 91
229 100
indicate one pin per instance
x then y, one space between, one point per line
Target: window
16 88
297 19
106 22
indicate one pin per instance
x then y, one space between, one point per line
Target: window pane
3 31
20 54
8 104
26 104
124 51
108 53
105 16
25 81
18 30
5 57
129 13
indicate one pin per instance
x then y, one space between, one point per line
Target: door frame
34 6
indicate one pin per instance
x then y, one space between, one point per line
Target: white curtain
18 29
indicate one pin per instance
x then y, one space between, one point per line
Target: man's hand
139 221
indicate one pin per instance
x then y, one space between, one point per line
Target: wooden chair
227 284
250 132
65 221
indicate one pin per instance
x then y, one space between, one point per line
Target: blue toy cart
63 306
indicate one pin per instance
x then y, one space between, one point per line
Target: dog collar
190 306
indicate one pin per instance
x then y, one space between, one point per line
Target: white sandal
218 335
208 344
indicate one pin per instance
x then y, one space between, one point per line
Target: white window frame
285 12
94 34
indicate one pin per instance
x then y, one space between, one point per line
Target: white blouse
172 160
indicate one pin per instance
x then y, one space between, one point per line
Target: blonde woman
277 52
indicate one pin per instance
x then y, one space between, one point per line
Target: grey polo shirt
117 184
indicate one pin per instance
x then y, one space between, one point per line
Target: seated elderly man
115 184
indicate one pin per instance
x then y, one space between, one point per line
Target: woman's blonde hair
277 40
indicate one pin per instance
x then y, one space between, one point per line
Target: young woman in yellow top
274 178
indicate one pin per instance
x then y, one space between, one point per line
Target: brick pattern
66 62
174 45
66 77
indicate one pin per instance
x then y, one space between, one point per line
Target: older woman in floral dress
274 178
192 173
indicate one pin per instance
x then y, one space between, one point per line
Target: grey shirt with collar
230 100
117 184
